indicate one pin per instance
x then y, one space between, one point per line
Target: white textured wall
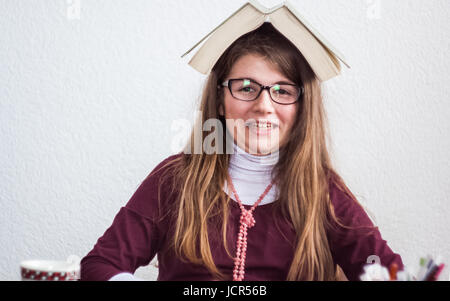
87 101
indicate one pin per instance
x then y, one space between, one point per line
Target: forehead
258 68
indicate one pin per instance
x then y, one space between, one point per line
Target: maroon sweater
137 235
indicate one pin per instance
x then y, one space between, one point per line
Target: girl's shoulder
344 203
155 192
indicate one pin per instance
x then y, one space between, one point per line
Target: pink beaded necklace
246 221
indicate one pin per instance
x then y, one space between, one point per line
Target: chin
262 149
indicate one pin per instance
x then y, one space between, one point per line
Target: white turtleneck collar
251 174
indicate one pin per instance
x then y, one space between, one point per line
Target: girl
273 209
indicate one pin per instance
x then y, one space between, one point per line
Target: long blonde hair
302 174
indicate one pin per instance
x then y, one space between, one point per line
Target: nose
264 102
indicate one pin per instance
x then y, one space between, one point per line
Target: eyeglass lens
248 90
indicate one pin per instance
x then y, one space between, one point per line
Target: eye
285 90
246 89
281 91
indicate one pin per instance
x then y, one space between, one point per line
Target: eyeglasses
249 90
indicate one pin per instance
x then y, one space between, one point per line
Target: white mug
51 270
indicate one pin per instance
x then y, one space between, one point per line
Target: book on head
323 58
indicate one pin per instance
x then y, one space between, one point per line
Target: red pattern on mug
29 274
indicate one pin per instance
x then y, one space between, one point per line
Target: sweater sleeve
130 242
135 236
353 247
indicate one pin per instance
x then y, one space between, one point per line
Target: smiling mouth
262 125
262 130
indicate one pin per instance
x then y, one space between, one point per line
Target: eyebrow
282 82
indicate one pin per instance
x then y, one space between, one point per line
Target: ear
221 110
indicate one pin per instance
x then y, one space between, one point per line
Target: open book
321 56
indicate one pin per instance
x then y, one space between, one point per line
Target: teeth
262 125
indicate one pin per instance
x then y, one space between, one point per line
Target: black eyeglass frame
227 84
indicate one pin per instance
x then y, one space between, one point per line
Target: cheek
288 116
234 109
